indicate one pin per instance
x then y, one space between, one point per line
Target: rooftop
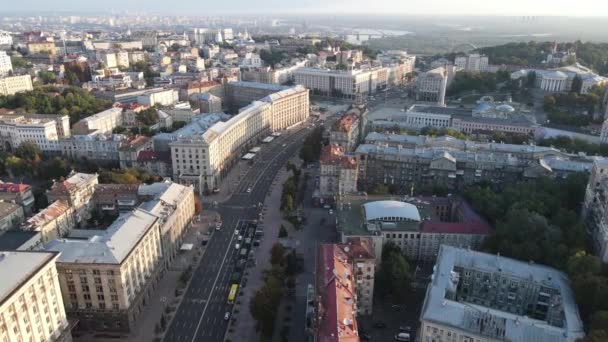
13 239
74 182
16 268
7 208
335 155
562 324
46 215
111 246
266 86
346 122
389 210
14 188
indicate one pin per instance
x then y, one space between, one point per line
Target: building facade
338 172
53 222
106 276
104 122
31 306
6 66
18 193
12 85
346 132
351 84
77 191
472 63
475 296
595 208
432 85
40 129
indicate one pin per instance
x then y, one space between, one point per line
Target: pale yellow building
15 84
77 191
107 275
31 306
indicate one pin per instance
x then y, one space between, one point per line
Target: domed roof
483 107
505 108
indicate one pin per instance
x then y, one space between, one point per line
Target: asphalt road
200 316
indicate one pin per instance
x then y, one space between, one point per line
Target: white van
405 337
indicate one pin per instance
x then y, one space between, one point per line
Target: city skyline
584 8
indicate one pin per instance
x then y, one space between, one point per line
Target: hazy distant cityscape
303 174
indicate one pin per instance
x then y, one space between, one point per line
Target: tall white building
472 63
103 122
5 38
475 296
42 130
6 66
163 97
347 84
595 208
432 85
31 306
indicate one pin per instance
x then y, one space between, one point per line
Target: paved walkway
229 183
244 328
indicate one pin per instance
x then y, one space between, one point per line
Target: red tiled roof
207 84
334 154
14 188
359 248
346 122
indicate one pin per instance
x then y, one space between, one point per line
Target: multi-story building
31 306
454 163
174 205
207 102
360 253
336 314
418 225
11 216
42 130
345 131
41 47
595 208
338 174
604 131
130 150
561 79
11 85
18 193
95 146
77 191
350 84
165 97
103 122
241 94
212 87
202 154
432 85
107 275
5 39
122 59
6 67
475 296
53 222
108 58
472 63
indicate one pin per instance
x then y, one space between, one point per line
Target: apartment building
95 146
77 191
338 173
360 253
31 306
191 88
595 208
203 151
346 131
12 85
165 97
475 296
335 318
432 85
6 66
18 193
418 225
53 222
11 216
350 84
173 204
130 150
103 122
107 275
241 94
41 47
42 130
391 160
207 102
472 63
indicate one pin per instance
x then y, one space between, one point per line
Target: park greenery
271 57
289 195
72 101
571 108
393 277
311 149
479 83
539 221
126 176
264 306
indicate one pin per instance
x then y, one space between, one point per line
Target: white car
236 232
218 226
331 212
240 238
248 190
227 316
237 246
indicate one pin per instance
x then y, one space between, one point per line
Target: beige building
173 204
15 84
31 307
432 85
338 172
164 97
11 215
77 191
41 48
54 222
472 63
43 130
106 276
360 253
201 156
345 131
104 122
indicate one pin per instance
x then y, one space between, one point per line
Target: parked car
404 337
227 316
237 246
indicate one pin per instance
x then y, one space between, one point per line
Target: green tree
282 232
47 77
394 275
277 254
577 84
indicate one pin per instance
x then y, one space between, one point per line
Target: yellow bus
232 294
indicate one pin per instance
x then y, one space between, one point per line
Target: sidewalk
164 299
243 329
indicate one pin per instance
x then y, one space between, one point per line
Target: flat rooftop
16 268
439 307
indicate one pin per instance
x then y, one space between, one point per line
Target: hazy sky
333 7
